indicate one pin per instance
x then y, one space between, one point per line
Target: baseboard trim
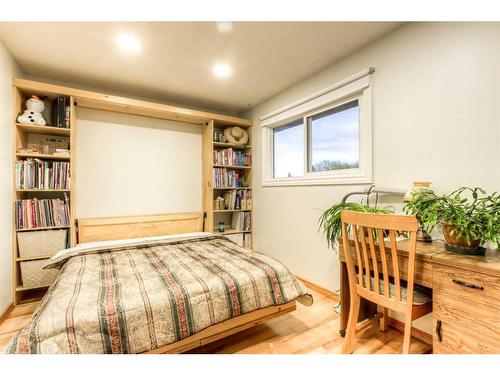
327 293
415 332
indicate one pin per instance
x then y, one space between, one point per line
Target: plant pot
458 243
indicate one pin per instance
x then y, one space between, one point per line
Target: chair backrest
374 238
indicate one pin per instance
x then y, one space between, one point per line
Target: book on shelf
219 135
39 174
241 221
247 240
234 200
42 213
67 115
227 178
60 112
246 199
231 157
62 151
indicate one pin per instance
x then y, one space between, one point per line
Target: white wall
436 112
130 165
8 69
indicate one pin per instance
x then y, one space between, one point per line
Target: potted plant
331 223
469 217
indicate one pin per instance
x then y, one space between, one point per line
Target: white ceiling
176 60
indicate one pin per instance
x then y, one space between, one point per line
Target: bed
154 284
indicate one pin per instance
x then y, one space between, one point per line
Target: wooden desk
466 296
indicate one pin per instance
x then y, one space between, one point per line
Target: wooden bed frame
124 227
114 228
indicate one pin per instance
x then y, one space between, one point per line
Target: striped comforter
134 298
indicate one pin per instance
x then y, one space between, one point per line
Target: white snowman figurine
33 114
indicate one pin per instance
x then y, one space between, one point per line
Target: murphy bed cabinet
23 89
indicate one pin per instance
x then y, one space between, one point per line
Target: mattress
132 296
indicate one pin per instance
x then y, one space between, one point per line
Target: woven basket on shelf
41 243
33 274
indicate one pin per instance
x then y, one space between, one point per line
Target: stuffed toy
236 136
33 114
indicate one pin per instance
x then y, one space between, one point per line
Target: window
325 143
288 148
334 138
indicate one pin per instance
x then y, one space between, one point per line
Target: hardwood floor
312 329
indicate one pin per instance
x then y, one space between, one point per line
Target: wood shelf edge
43 156
100 100
21 288
43 190
233 232
232 210
27 259
44 129
232 166
42 228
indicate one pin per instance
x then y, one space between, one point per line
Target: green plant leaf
330 221
475 214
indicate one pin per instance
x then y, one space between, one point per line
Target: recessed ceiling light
224 27
222 70
128 43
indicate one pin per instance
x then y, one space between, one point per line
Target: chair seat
421 294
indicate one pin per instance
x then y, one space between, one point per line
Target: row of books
234 200
241 221
227 178
42 213
219 135
229 156
42 174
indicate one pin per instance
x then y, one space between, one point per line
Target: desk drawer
466 311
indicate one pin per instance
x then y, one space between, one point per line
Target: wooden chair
374 272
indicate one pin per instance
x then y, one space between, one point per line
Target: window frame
360 175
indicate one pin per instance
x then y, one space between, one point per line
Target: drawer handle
438 330
468 285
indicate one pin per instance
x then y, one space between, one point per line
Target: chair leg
347 347
384 321
407 334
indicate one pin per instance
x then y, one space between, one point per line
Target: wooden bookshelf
21 133
211 192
